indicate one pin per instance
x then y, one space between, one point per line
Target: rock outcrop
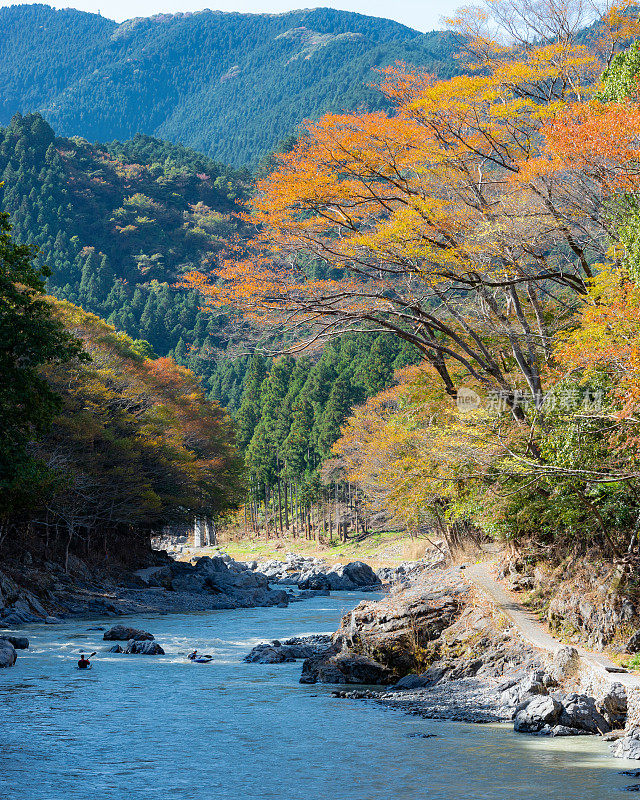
122 633
40 591
18 605
144 647
299 647
8 654
584 601
231 581
315 573
381 641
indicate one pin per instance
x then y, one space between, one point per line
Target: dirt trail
533 631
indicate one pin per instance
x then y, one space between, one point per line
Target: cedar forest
425 313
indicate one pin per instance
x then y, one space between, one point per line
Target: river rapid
160 727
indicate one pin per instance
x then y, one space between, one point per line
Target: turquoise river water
150 727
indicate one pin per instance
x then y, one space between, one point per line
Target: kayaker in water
203 659
83 662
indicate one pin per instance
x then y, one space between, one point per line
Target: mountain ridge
227 84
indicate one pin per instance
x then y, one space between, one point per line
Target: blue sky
424 15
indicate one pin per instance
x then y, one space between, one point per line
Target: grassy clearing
378 549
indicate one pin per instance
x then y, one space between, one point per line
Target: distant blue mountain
229 85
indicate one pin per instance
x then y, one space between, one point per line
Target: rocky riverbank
308 572
32 591
586 601
42 591
442 651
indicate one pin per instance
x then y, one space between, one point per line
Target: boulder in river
298 647
144 647
613 705
121 633
341 578
19 642
8 654
537 715
315 574
268 654
558 715
333 667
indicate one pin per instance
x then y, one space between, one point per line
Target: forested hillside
291 415
230 85
104 444
118 225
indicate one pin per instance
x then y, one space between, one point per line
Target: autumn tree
135 446
30 337
446 223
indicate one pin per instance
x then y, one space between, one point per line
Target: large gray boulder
613 705
350 577
8 654
580 712
628 746
316 581
19 642
537 714
144 647
122 633
345 668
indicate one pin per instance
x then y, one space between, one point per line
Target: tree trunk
280 506
70 530
355 501
286 506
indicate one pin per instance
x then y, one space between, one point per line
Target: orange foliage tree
452 222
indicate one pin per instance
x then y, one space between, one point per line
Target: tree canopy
30 337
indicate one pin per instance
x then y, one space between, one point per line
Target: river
160 727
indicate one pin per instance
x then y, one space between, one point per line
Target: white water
152 727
